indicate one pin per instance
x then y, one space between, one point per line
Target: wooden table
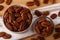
23 2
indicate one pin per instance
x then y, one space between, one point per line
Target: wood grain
23 2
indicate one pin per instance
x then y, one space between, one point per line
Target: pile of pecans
5 35
44 27
17 18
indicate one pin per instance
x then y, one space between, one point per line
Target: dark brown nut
41 20
56 35
59 14
47 30
1 7
33 39
53 16
57 29
40 38
16 24
38 13
30 3
17 15
17 9
28 21
48 23
45 23
19 19
10 18
10 10
22 26
1 1
24 16
36 2
37 29
45 1
8 2
2 34
29 18
6 15
45 13
9 26
15 28
24 11
53 1
7 36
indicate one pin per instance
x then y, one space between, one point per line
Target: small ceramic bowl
5 25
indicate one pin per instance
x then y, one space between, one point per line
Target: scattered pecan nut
30 3
37 2
1 7
8 2
53 16
45 1
59 14
2 34
56 35
1 1
53 1
45 13
7 36
38 13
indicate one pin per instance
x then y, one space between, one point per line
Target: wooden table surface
23 2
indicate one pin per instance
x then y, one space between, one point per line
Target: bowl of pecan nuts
44 26
17 18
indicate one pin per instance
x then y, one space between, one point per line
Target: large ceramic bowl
5 25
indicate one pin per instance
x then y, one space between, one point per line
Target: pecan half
37 2
30 3
8 2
